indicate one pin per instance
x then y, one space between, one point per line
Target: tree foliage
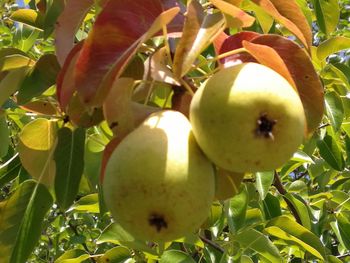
77 76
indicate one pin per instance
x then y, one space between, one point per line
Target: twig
323 125
344 255
212 243
279 186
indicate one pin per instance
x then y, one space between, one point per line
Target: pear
247 118
158 184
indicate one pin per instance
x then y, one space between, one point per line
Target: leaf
40 78
271 206
41 106
4 136
344 228
327 14
301 209
252 239
199 31
36 146
115 234
73 256
304 75
330 152
227 184
88 203
263 182
69 159
123 29
14 61
9 170
289 14
285 228
171 256
235 17
116 255
331 46
21 218
334 109
29 17
52 14
235 210
68 24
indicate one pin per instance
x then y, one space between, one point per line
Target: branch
211 243
343 256
278 184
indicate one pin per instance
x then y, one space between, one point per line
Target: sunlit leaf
327 13
29 17
14 61
21 221
335 110
67 25
235 210
344 228
69 159
36 152
116 255
73 256
287 229
170 256
301 209
263 182
199 30
255 240
332 45
88 203
271 206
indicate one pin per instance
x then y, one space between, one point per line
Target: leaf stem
212 243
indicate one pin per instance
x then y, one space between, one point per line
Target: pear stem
279 186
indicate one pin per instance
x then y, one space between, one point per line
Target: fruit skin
247 118
158 184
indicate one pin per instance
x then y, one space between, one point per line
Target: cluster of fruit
160 180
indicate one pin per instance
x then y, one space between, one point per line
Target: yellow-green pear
247 118
158 184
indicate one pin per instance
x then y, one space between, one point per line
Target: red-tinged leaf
40 106
67 25
121 113
65 79
293 19
236 17
235 42
199 31
269 57
156 67
117 33
218 41
107 154
302 71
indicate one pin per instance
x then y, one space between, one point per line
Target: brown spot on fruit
265 126
157 221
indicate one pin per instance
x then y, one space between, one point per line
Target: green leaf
235 210
335 110
36 146
171 256
263 182
11 83
116 255
252 239
42 76
287 229
52 15
301 209
69 158
9 170
341 200
327 14
14 61
331 46
21 221
115 234
271 206
29 17
344 229
4 136
88 203
73 256
330 152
